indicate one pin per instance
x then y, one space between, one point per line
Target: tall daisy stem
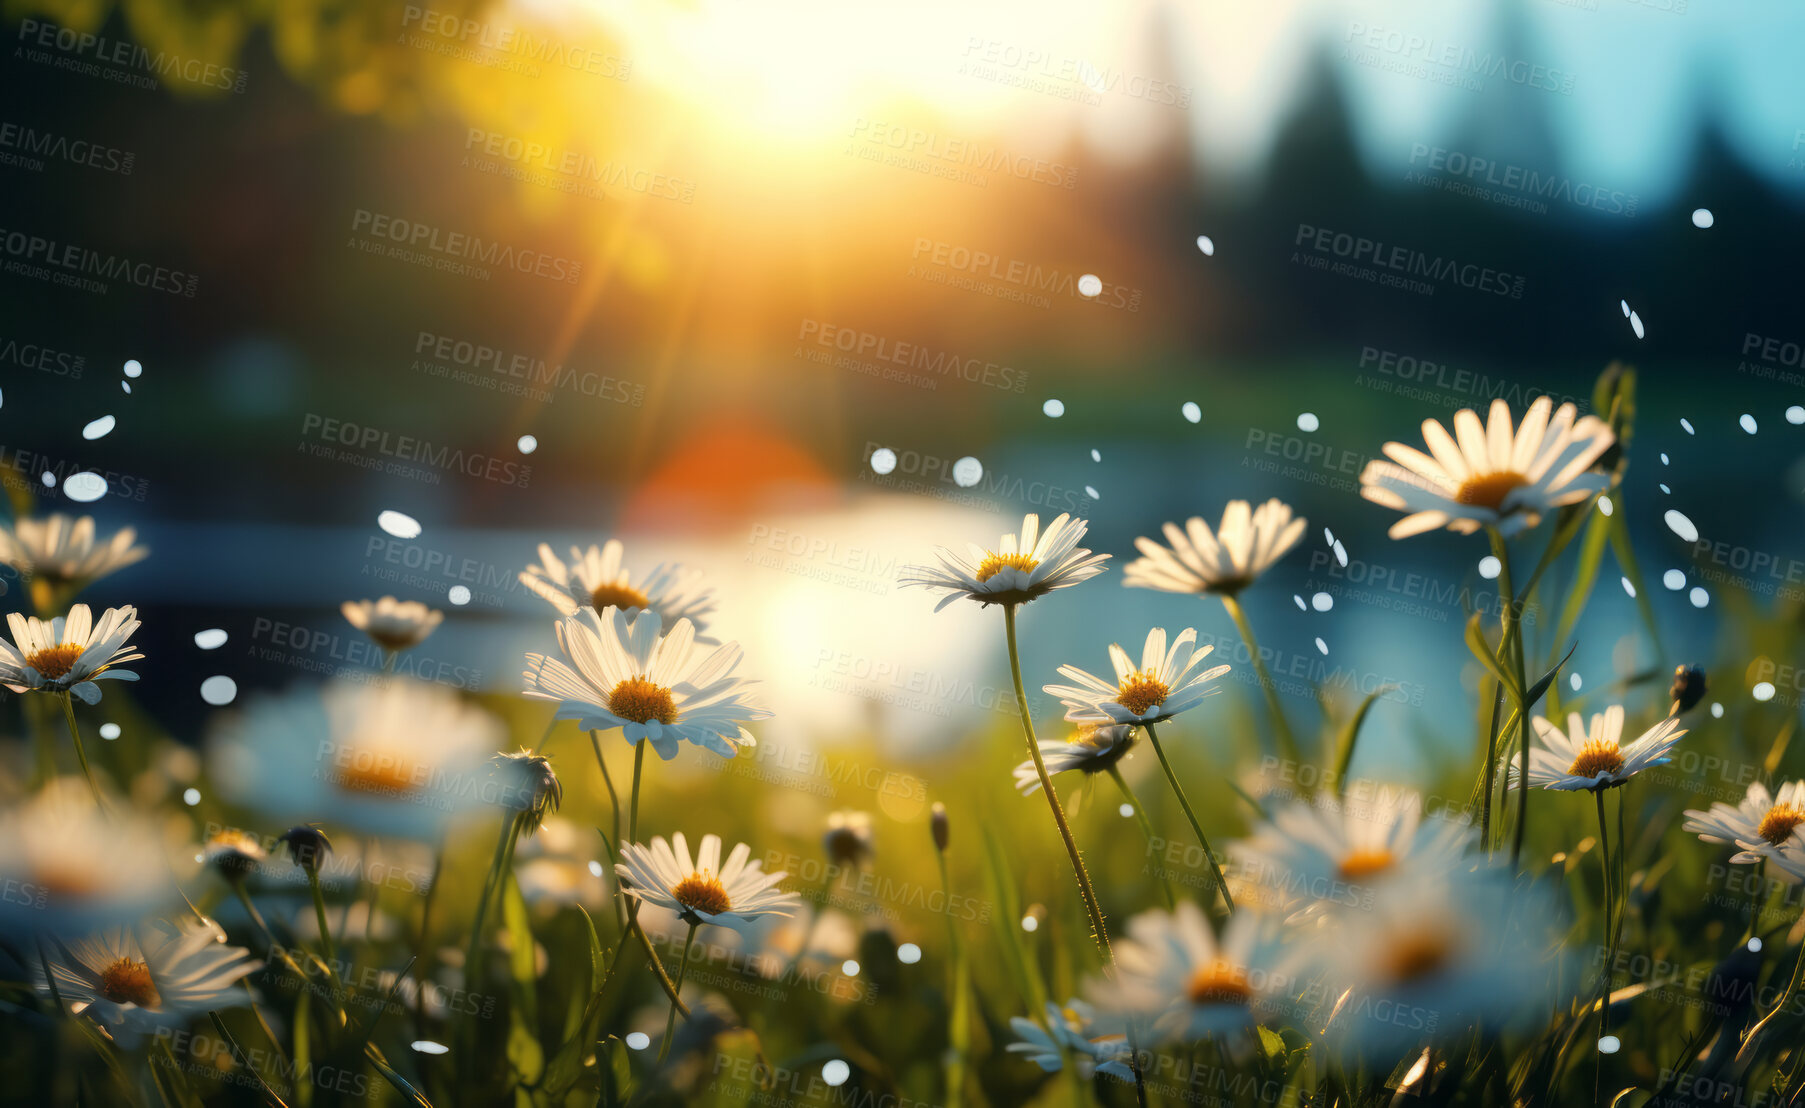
1140 815
1196 828
1287 744
1511 632
1749 1041
81 754
504 847
1099 929
1612 910
670 1021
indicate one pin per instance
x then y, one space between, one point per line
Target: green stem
670 1021
639 761
1287 744
1140 815
473 959
1491 770
1611 911
1792 990
1196 828
958 987
595 742
1511 633
319 911
81 755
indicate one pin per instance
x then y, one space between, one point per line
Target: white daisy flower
71 870
1225 560
131 988
1594 758
397 759
1021 568
1092 748
69 653
1162 687
60 554
703 891
1432 955
1337 851
1072 1027
655 688
1173 971
392 624
1762 824
1488 475
596 579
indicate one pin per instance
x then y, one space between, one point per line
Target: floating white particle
1605 505
211 639
1029 923
835 1072
1301 606
85 486
1125 810
1699 597
1680 525
637 1040
1628 587
109 731
1702 218
1341 553
850 967
527 444
458 594
1328 536
1755 944
1763 690
1625 305
1662 485
49 479
1090 285
967 471
191 797
1091 491
1192 411
883 460
1686 426
1636 325
908 954
1322 646
1795 415
1053 408
595 868
1307 421
127 386
134 368
399 524
1674 579
219 690
1574 681
1609 1044
1748 423
1322 602
1206 244
1096 455
1490 567
1717 710
98 428
427 1046
1663 459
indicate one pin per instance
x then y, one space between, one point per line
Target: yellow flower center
1596 757
704 892
128 982
994 564
1141 691
618 596
1488 490
1416 955
1776 826
1219 983
641 701
54 662
378 775
1365 863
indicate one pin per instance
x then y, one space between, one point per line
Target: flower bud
938 824
1688 687
528 786
307 845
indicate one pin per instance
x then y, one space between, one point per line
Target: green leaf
999 877
1482 650
524 1051
401 1084
1585 573
1350 734
238 1054
303 1046
1542 685
1273 1046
